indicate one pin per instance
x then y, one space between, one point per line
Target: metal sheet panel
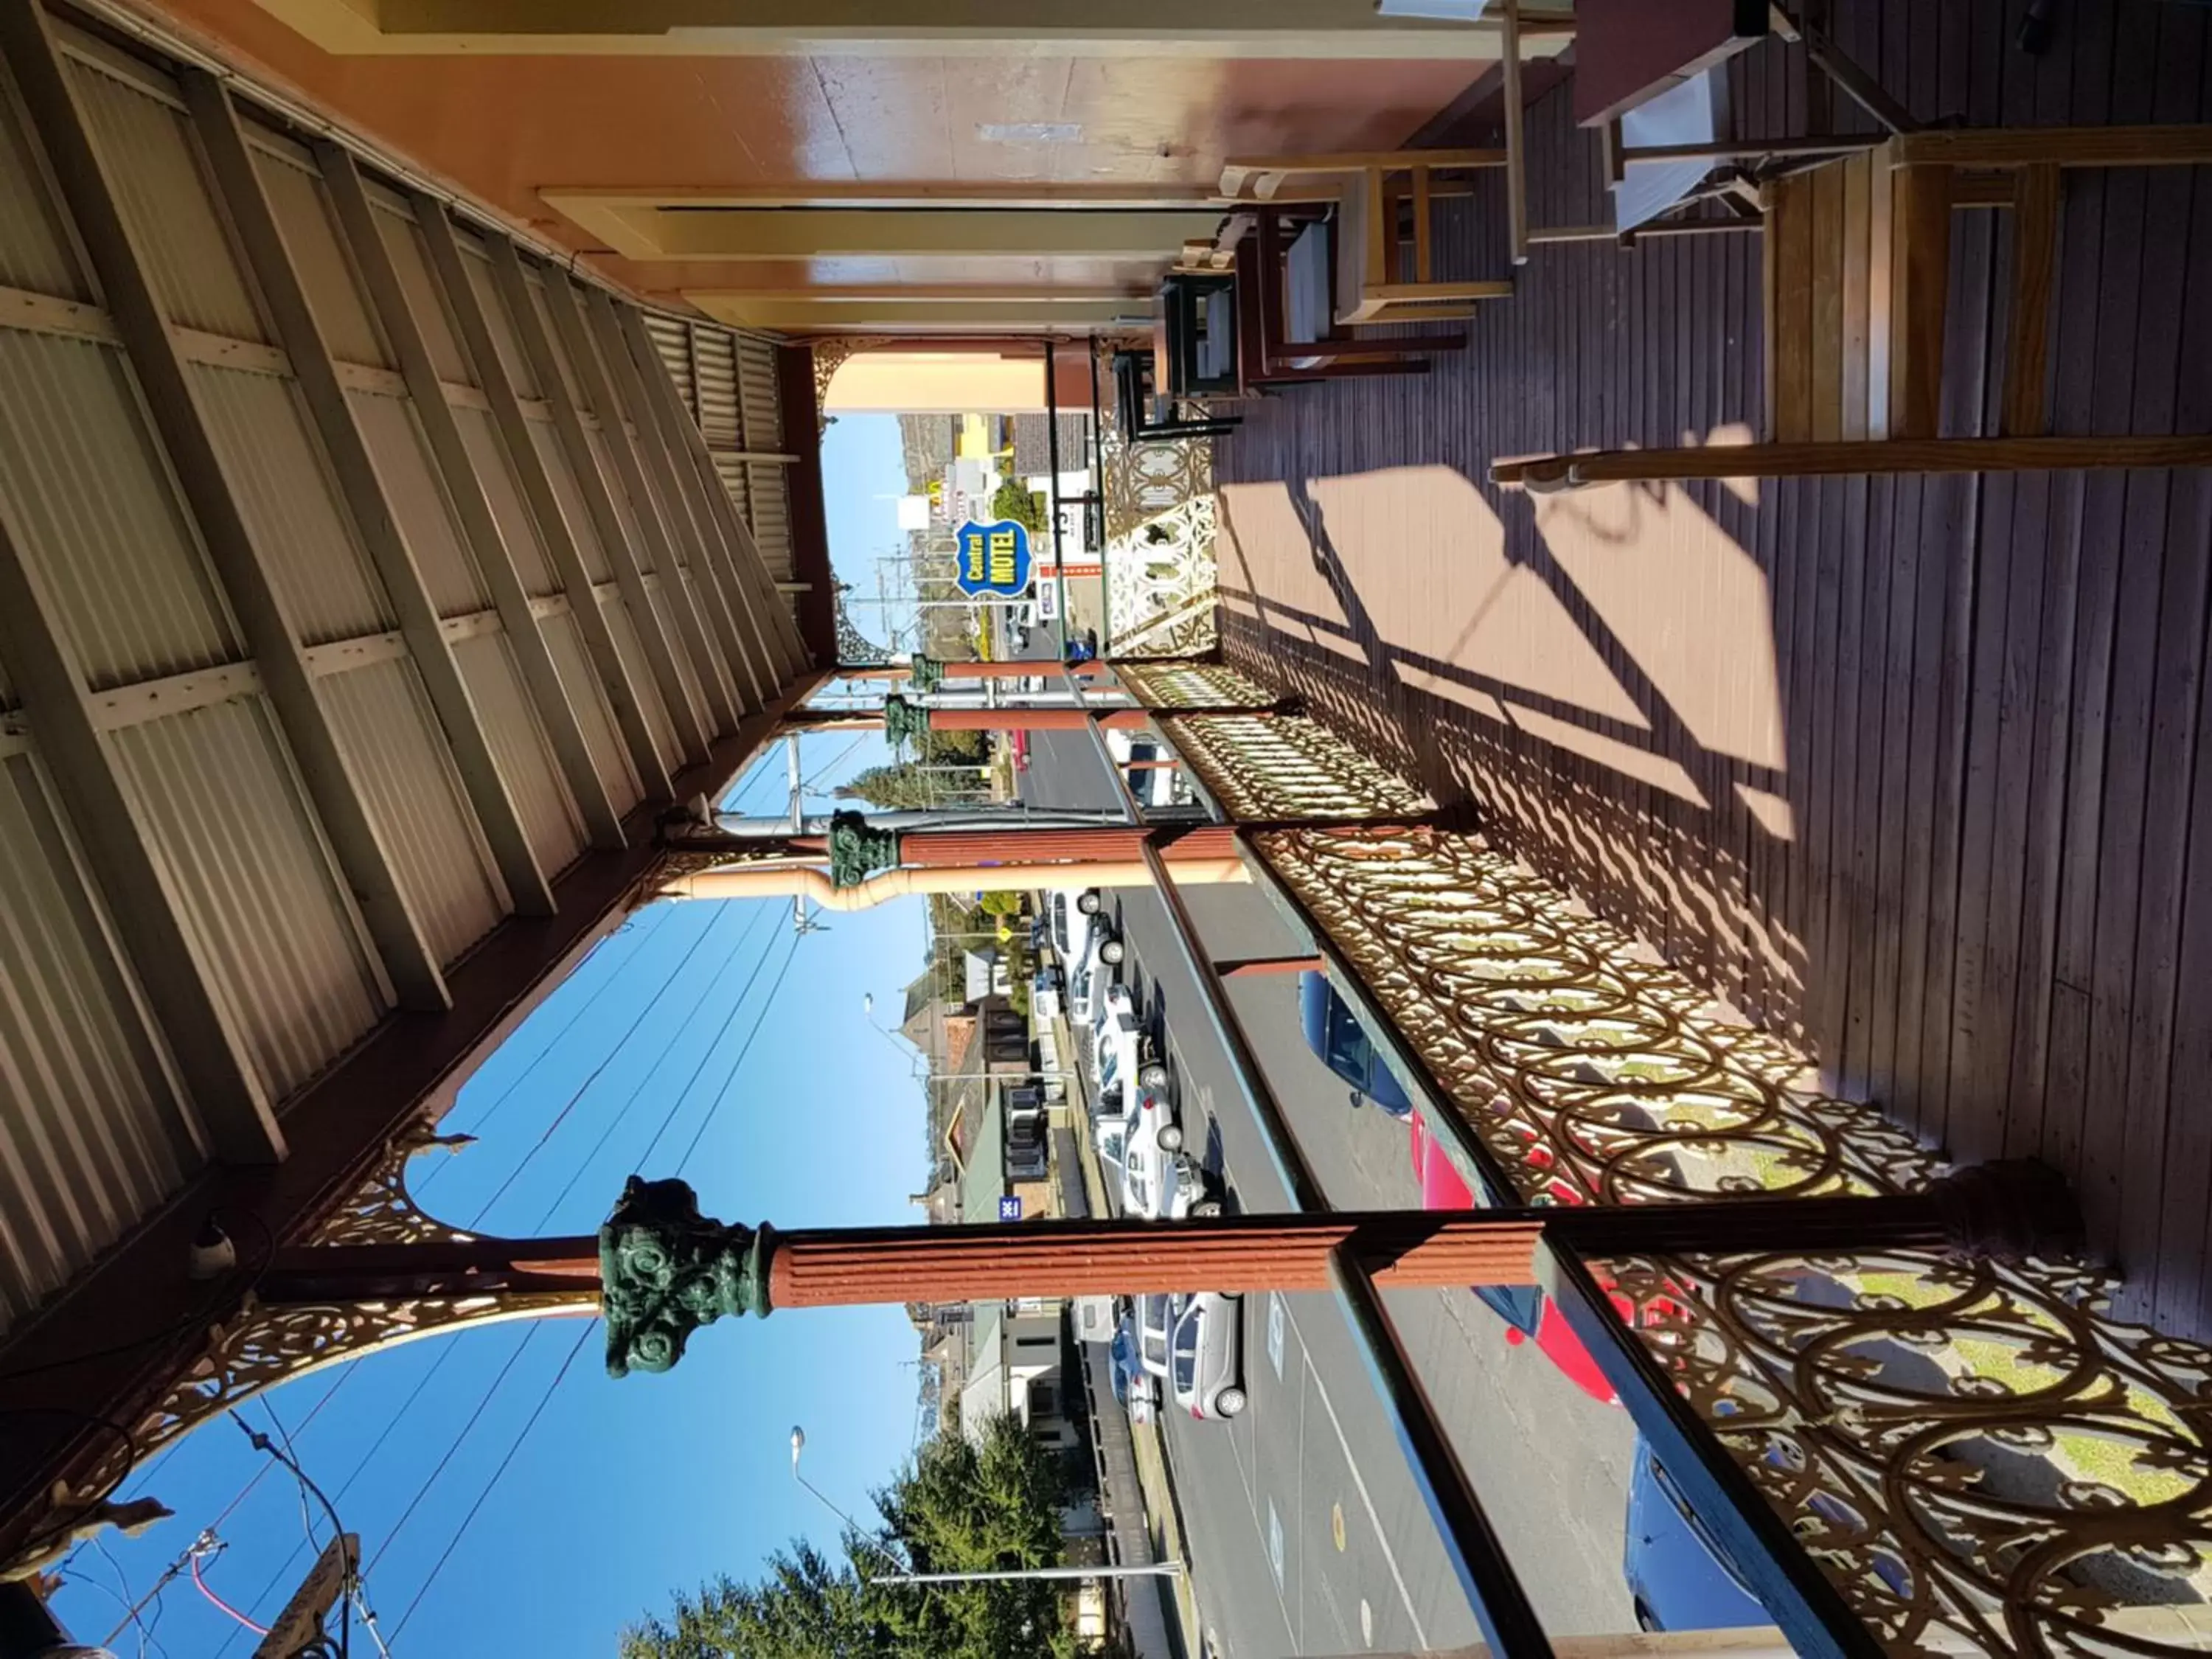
719 415
671 341
687 671
610 758
512 356
625 512
761 392
631 650
535 281
735 476
403 239
419 504
34 248
217 789
768 488
96 1130
283 487
162 186
555 459
524 753
302 206
398 757
87 496
518 528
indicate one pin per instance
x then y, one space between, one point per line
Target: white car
1153 785
1076 928
1089 983
1120 1045
1205 1358
1141 1146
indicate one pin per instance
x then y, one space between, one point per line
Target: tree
900 784
990 1503
1016 500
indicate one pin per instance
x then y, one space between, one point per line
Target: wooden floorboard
1911 769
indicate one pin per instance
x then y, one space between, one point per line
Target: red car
1527 1311
1018 744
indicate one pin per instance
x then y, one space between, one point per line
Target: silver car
1206 1361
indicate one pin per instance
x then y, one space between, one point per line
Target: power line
676 1099
560 1117
722 1093
576 1012
668 1118
461 1531
438 1363
467 1428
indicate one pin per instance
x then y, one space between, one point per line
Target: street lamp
1170 1569
798 1445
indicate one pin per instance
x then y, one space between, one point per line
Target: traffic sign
1009 1209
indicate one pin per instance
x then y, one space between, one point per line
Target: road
1306 1529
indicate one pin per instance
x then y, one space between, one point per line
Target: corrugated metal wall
728 380
386 755
99 1131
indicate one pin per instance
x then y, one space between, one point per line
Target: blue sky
703 1039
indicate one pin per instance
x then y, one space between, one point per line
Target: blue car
1335 1037
1677 1571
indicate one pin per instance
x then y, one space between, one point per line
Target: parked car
1141 1146
1047 991
1334 1034
1077 928
1152 1316
1529 1315
1133 1386
1207 1355
1151 784
1678 1574
1119 1037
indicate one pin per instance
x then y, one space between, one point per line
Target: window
1348 1053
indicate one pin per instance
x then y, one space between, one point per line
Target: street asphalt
1307 1529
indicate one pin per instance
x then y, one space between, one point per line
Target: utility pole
297 1631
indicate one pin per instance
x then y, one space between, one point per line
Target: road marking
1275 1544
1275 1331
1374 1520
1336 1525
1366 1622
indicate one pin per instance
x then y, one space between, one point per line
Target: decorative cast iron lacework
1976 1456
1974 1452
1193 685
1284 766
1160 584
262 1346
1144 480
855 649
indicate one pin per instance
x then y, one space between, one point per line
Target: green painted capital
904 718
666 1270
927 674
858 849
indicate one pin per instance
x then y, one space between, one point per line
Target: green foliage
1015 500
961 1506
1000 904
900 784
